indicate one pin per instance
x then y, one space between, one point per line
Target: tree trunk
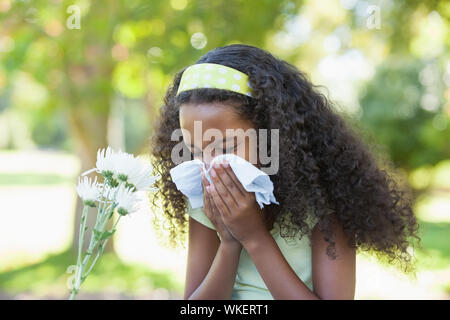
90 135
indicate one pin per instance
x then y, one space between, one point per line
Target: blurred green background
76 76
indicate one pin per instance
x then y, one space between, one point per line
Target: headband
212 75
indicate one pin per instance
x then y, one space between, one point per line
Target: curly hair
325 166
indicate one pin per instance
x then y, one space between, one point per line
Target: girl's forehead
206 110
211 115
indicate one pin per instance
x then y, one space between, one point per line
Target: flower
125 179
108 192
124 167
88 190
105 162
139 174
127 201
144 181
134 171
106 159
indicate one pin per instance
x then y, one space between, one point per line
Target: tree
120 48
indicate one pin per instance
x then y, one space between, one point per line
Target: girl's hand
213 214
238 208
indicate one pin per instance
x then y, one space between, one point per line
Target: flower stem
99 215
105 212
82 227
81 266
78 270
100 251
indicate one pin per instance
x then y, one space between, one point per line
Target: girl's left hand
239 210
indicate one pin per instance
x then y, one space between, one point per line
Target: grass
436 245
51 277
27 179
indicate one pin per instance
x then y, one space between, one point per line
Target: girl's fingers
204 180
222 190
230 185
206 202
213 205
212 208
232 176
205 183
217 200
208 206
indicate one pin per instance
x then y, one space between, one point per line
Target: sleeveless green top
249 285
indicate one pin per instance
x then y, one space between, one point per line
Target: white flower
127 200
139 174
105 161
144 181
108 192
125 167
88 190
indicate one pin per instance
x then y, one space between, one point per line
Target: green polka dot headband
212 75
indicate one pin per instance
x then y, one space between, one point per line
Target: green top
249 284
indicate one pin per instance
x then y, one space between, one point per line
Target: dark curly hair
324 168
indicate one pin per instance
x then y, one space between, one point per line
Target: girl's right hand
213 214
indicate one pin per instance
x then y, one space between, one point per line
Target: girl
329 186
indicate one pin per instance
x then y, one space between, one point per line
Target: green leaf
97 234
107 234
102 235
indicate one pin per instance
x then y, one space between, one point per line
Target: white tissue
187 178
